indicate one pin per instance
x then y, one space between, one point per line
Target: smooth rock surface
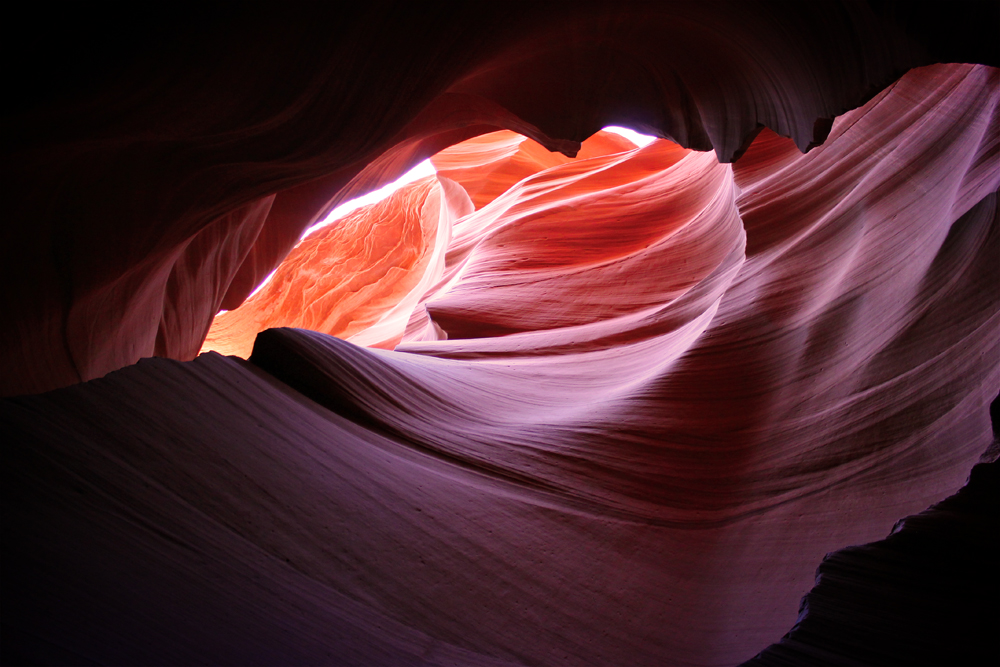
758 366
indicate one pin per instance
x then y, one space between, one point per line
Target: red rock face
635 396
358 279
361 278
488 166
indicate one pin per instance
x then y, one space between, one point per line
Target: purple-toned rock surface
640 395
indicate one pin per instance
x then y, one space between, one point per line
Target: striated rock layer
925 595
155 176
361 277
637 395
640 395
358 279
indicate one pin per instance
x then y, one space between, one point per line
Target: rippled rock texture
924 595
358 279
607 410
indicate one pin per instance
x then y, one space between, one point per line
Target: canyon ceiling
568 401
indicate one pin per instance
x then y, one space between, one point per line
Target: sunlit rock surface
359 278
608 241
489 165
642 397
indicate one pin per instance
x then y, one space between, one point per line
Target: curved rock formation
639 393
361 277
178 156
489 165
358 279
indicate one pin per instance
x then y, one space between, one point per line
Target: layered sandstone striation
146 198
597 404
638 396
359 278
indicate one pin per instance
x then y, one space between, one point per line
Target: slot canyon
727 396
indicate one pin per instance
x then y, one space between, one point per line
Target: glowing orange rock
358 278
488 165
361 277
589 241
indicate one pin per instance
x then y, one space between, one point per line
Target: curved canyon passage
609 409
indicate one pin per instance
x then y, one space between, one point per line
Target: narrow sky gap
423 169
639 140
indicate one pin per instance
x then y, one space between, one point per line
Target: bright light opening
423 169
639 140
